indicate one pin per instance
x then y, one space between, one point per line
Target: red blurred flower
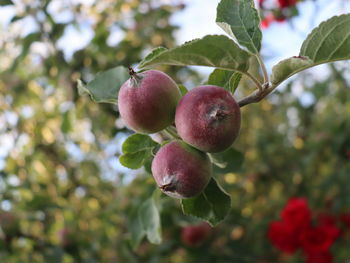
265 23
297 212
261 3
283 236
195 235
345 218
287 3
327 219
321 257
318 239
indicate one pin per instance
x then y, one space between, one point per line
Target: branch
257 95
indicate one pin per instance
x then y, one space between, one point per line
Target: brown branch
257 95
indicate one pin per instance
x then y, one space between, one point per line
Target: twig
257 95
263 68
172 132
256 82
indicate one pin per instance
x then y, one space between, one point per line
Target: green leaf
106 85
328 42
288 67
183 89
234 81
154 53
146 222
136 230
213 51
135 160
53 254
27 41
227 79
138 142
228 161
6 2
212 205
137 150
150 220
240 19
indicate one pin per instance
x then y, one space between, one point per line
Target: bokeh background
64 197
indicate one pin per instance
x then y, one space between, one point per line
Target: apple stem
132 72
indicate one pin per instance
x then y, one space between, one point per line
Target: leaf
223 78
240 19
146 222
137 150
328 42
183 89
150 219
138 142
288 67
135 160
53 254
16 18
234 81
212 205
136 230
155 52
6 2
228 161
106 85
213 51
27 41
220 77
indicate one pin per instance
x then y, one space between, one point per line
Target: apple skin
195 235
180 170
147 101
208 118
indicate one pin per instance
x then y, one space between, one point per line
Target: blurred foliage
67 195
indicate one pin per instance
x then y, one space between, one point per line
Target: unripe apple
208 118
180 170
195 235
147 101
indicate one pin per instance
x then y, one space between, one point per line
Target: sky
280 40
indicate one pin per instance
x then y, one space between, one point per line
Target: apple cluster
207 120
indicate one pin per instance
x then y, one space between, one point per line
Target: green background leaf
212 205
106 85
213 51
145 221
150 220
240 19
5 2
